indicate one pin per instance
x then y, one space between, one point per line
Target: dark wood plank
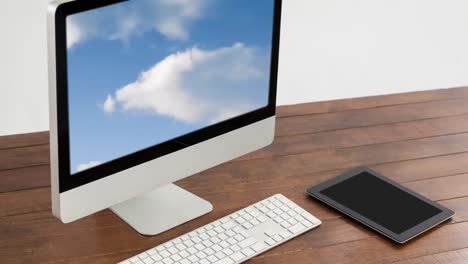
372 102
442 188
24 157
367 117
22 202
425 168
24 178
296 168
460 206
24 140
451 257
353 137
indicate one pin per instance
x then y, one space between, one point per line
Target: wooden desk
418 139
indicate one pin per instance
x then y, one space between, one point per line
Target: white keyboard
235 238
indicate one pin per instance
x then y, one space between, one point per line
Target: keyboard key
164 254
184 254
270 241
199 247
181 246
240 220
224 244
156 257
201 255
307 223
207 243
247 225
238 256
196 240
249 241
230 233
285 235
228 225
255 214
235 248
220 255
176 257
231 241
248 252
216 248
188 243
168 261
225 261
215 240
258 247
239 237
222 236
277 238
193 258
271 214
208 251
311 218
254 222
143 255
185 261
227 251
212 259
191 250
296 228
148 260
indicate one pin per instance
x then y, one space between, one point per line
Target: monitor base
162 209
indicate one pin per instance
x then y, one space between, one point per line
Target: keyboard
235 238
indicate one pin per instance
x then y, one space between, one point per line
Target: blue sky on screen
146 71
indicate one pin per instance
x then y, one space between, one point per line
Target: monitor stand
162 209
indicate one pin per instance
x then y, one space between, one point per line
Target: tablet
381 204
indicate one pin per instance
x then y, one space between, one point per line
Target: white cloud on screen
74 33
85 166
194 86
171 18
109 104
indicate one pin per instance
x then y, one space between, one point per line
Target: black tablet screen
381 202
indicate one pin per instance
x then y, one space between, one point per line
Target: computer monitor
147 92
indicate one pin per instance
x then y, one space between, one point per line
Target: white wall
350 48
23 63
330 49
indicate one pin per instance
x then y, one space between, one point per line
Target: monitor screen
143 72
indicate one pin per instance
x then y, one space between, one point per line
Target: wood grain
372 102
451 257
372 116
418 139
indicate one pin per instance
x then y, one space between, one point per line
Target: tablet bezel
418 229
